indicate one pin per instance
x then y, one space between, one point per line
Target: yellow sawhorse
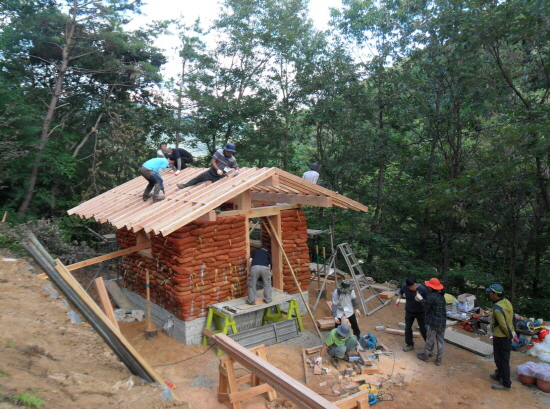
223 322
281 315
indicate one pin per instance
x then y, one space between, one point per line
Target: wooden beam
108 256
260 211
276 252
283 383
310 200
211 216
105 302
243 201
401 332
270 181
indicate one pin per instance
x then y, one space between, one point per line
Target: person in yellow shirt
502 327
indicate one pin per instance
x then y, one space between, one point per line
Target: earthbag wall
200 264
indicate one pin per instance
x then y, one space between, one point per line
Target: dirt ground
68 365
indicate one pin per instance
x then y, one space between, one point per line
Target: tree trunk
45 131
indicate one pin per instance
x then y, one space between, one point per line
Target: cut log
401 332
386 294
325 324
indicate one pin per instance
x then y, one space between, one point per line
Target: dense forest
435 114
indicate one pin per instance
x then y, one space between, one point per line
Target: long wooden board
109 256
283 383
105 303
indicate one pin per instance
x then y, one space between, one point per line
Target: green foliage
29 401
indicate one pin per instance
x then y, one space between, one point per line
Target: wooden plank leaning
300 394
271 232
87 300
105 303
109 256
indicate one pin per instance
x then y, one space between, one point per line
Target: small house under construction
196 255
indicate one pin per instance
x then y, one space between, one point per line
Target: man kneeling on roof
339 342
222 161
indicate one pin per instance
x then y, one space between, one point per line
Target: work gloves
357 312
220 172
177 172
236 173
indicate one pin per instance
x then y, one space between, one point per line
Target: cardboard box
466 302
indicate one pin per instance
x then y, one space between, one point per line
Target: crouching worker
152 171
338 343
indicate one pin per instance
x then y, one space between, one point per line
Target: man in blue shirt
152 171
222 161
414 310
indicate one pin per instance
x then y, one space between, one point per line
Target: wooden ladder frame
362 282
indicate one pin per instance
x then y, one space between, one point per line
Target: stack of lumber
200 264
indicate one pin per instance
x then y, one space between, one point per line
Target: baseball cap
496 288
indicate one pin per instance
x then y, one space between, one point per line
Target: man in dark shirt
259 265
222 162
180 157
414 310
436 320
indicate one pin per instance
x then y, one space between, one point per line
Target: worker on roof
161 149
152 171
223 162
436 320
259 265
312 175
339 343
503 334
414 310
180 157
346 304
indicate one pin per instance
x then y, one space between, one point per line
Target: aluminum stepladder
326 268
362 282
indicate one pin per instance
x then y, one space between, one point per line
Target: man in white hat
339 342
346 304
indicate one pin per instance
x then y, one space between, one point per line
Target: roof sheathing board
124 207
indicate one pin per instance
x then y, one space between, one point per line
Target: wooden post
105 304
306 303
317 268
4 218
276 252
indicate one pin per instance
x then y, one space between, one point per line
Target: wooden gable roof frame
255 192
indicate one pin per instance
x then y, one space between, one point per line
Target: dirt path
68 365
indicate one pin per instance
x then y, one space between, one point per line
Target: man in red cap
436 318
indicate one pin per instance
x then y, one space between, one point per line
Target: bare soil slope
68 365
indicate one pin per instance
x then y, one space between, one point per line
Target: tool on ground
373 398
150 332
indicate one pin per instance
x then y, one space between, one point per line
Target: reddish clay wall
200 264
